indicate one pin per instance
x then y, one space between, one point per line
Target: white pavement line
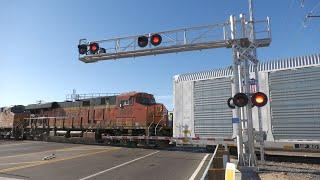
199 167
26 162
16 144
123 164
210 162
5 178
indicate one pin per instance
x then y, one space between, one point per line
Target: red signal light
94 47
240 99
143 41
259 99
156 39
83 49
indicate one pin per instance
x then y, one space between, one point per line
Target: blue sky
38 59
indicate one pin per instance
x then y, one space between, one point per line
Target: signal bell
259 99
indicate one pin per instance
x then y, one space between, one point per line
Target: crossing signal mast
243 35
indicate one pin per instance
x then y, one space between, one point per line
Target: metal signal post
240 35
244 47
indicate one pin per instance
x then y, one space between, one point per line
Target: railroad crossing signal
94 48
174 41
243 42
143 41
240 99
258 99
155 39
83 49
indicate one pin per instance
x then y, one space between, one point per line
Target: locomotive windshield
145 101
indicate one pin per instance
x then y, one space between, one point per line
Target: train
201 117
126 114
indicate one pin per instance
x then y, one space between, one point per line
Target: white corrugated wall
183 124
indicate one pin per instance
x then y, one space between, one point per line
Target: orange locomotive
11 117
133 113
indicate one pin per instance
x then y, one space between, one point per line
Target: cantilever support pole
255 67
236 89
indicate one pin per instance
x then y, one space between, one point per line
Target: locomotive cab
157 114
140 111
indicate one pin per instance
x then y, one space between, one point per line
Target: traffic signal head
240 100
83 49
259 99
142 41
156 39
94 47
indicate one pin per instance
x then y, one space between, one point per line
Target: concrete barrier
230 171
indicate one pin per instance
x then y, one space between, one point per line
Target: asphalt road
24 160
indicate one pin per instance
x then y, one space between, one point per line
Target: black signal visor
83 49
143 41
240 99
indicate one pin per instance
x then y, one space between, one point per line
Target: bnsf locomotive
130 114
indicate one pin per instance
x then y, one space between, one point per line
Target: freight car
291 119
130 114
